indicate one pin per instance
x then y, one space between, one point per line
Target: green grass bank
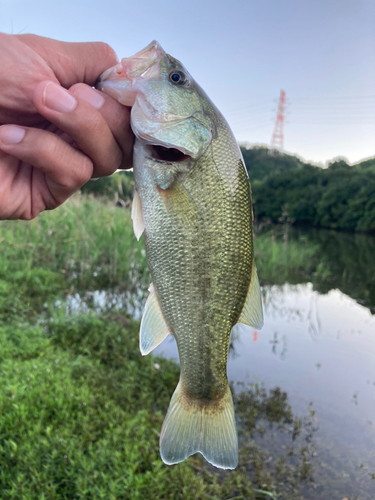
81 409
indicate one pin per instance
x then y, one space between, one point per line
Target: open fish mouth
162 153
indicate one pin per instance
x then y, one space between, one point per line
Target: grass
85 245
84 425
81 413
282 259
81 409
85 241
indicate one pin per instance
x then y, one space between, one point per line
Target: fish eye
178 77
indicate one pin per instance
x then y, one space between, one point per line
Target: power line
315 111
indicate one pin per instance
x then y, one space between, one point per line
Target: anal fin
153 326
252 313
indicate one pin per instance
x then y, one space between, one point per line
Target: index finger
116 115
72 62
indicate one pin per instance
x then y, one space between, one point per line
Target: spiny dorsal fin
137 216
252 313
153 326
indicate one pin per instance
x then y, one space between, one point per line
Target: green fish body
193 205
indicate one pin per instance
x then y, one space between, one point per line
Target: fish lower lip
168 154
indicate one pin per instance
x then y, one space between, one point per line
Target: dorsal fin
137 216
252 312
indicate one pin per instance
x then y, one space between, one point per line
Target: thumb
72 62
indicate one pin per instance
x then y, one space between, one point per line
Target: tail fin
194 426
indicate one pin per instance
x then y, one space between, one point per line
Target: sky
243 52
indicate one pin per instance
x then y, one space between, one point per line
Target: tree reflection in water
276 447
327 259
308 279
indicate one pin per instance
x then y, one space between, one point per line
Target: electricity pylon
277 140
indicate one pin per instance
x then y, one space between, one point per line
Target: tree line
285 189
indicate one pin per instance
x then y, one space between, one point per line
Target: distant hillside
261 164
366 164
286 189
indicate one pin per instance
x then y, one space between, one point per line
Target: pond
305 384
318 346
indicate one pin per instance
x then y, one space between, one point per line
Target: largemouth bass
193 205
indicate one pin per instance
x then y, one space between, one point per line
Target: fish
192 203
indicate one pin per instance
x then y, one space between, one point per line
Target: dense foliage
286 189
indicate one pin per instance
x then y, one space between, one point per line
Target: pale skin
56 131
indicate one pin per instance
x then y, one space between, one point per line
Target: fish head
168 110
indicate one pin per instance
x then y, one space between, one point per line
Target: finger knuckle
117 160
75 168
82 173
109 165
49 150
28 215
76 86
106 50
106 154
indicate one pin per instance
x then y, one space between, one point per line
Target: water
318 345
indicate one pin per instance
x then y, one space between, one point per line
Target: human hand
53 140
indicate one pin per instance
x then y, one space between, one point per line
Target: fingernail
10 134
58 99
90 95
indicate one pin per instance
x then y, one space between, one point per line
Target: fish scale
194 208
215 266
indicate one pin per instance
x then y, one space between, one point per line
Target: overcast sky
243 52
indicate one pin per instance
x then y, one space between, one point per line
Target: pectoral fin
252 313
153 326
137 216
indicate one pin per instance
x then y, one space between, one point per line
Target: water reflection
130 302
277 448
320 348
328 259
